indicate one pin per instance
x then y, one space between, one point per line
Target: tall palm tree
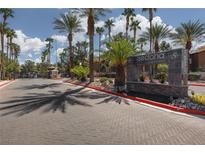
44 54
100 31
134 26
159 32
109 24
70 24
187 33
117 55
84 46
92 15
151 12
10 34
49 47
128 13
6 13
142 41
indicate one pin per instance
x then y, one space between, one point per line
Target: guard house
177 73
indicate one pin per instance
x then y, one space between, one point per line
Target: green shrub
80 72
162 68
162 77
103 79
194 76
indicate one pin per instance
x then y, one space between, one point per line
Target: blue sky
37 24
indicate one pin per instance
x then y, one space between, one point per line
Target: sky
33 26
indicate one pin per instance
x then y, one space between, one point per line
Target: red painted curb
198 84
6 83
146 101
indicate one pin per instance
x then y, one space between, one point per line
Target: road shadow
40 86
107 98
54 101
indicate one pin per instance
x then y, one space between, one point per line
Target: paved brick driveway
41 111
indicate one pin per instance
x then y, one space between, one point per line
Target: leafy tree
117 55
134 26
128 13
92 15
187 33
164 46
48 49
159 32
100 31
109 24
151 12
70 24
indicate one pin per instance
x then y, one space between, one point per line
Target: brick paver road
41 111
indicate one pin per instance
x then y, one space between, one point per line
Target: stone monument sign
177 73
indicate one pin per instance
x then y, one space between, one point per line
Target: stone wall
158 89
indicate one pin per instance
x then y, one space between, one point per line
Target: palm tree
187 33
134 26
49 46
151 15
109 24
44 54
117 55
70 24
99 30
142 41
84 46
128 13
6 13
159 32
16 49
10 34
92 15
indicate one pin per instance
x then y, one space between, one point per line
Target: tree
99 30
159 32
142 41
164 46
128 13
92 15
117 55
48 49
134 26
151 12
10 34
6 13
187 33
109 24
70 24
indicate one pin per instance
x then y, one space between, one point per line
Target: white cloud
60 38
28 43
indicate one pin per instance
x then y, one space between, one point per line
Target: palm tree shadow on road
56 101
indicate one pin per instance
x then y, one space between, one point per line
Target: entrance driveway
41 111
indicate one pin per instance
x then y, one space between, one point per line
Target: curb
197 84
146 101
6 83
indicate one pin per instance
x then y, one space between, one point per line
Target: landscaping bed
193 105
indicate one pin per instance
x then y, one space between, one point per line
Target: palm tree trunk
91 56
120 78
135 33
188 47
91 29
7 49
99 50
127 26
70 58
109 33
2 55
